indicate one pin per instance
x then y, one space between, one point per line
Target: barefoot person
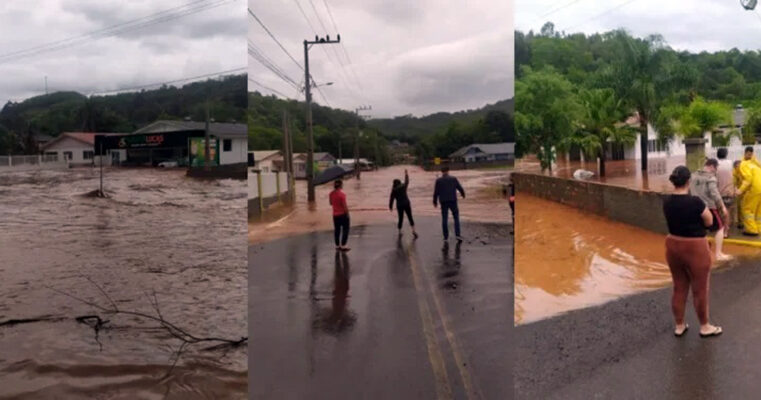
403 206
446 192
725 180
705 185
340 216
687 252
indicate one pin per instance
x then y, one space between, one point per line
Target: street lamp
314 85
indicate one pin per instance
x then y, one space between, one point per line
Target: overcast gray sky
209 41
694 25
407 57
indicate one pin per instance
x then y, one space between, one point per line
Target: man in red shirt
340 216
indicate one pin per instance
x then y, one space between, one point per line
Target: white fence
21 163
270 184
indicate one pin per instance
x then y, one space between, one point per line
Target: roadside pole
207 151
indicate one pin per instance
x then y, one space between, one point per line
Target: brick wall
640 208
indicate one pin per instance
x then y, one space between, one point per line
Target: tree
635 76
600 123
546 112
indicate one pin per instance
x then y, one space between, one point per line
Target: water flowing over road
158 232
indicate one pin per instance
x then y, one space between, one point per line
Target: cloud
416 57
208 41
698 25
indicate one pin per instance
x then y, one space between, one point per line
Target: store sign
198 151
136 141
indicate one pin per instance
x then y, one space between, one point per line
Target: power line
556 9
345 51
274 38
309 22
193 7
214 74
269 64
268 88
600 15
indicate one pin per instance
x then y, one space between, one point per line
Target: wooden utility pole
308 92
207 152
357 167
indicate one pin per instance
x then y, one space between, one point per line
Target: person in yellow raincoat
737 180
750 190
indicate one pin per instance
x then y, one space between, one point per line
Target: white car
168 164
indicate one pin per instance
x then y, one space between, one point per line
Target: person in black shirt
403 206
687 252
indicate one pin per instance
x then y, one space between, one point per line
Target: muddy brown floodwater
368 201
159 232
566 259
625 173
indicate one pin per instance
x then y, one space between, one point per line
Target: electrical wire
159 84
600 15
193 7
251 12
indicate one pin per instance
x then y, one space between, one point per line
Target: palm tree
637 74
600 125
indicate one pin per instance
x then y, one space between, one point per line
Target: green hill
437 134
59 112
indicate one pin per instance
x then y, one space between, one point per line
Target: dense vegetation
435 135
69 111
575 90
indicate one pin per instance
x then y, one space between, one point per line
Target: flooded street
160 233
368 201
626 173
566 259
392 318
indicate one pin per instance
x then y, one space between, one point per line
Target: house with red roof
78 148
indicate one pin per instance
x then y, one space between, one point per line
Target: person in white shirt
726 185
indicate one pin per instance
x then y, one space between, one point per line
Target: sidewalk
626 349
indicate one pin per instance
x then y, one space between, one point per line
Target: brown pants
689 260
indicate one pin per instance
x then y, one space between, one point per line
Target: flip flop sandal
686 327
716 332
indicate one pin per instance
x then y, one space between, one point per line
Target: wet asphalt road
392 318
626 349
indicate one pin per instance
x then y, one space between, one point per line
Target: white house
675 146
267 160
484 153
74 147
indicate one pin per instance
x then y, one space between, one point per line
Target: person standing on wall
445 192
704 185
403 206
340 216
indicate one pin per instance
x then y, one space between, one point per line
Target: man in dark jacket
446 192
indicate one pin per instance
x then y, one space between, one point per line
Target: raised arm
406 179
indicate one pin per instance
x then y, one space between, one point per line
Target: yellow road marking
443 389
451 338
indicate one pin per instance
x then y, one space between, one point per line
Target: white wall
76 148
269 184
238 153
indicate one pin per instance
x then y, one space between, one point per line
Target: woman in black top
687 252
399 193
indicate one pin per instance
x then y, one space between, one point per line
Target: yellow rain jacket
750 189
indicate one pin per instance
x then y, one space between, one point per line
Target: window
655 145
67 155
88 154
227 145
